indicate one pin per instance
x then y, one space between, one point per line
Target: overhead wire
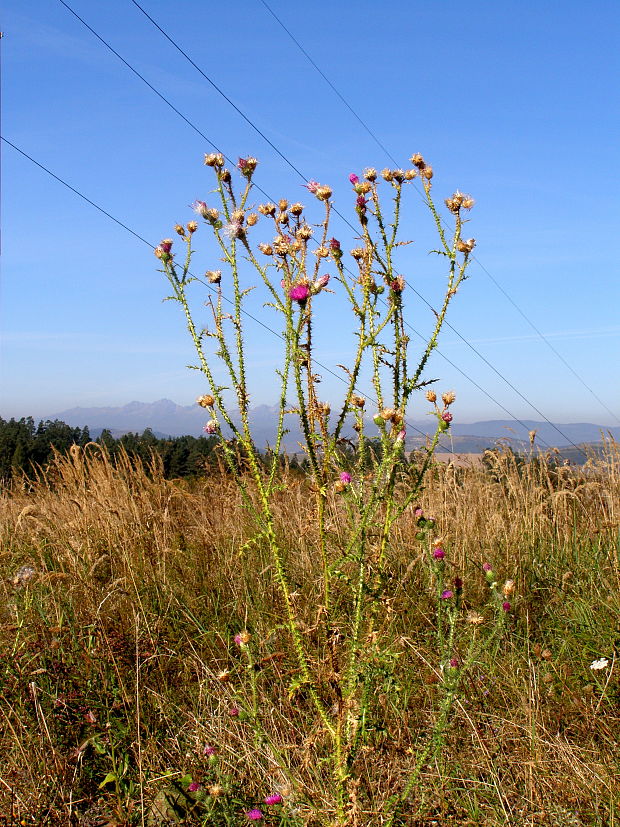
473 256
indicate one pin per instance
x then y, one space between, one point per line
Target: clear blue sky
513 102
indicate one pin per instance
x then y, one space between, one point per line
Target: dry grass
112 651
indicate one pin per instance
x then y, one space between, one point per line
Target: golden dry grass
141 582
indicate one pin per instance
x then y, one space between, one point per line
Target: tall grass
123 592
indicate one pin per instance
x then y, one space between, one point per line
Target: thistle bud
378 420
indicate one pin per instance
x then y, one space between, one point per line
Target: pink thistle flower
200 207
242 164
361 202
418 512
447 594
209 750
312 186
454 663
506 606
321 282
234 712
487 567
193 787
400 436
234 229
439 553
446 416
334 244
354 179
275 798
345 477
299 293
254 815
166 245
458 584
210 427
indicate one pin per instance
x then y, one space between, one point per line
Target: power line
205 283
474 258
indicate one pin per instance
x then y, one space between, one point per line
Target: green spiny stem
295 333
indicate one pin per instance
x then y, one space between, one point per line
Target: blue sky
513 102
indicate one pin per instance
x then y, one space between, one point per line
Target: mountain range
166 418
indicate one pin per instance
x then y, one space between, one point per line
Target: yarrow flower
447 594
601 663
254 815
275 798
299 293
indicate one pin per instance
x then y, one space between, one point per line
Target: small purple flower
234 712
446 416
418 512
487 567
345 477
238 640
193 787
299 293
209 750
447 594
275 798
254 815
312 186
439 553
454 663
354 179
506 606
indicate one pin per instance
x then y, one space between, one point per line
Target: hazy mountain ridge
166 418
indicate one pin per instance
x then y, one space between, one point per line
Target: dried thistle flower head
357 401
358 253
251 219
321 252
237 215
206 400
180 229
304 232
214 159
323 193
363 188
267 209
323 408
214 276
427 173
386 174
192 226
466 246
508 588
468 202
267 249
370 174
297 208
418 161
410 174
282 218
431 396
216 790
388 414
398 175
225 176
474 618
282 204
448 397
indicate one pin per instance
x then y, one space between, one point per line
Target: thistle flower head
206 400
211 427
242 638
370 174
312 186
297 208
192 226
418 161
439 553
247 166
323 192
234 229
448 397
353 178
446 594
274 798
214 276
299 293
214 159
431 396
193 787
345 477
506 606
254 814
446 416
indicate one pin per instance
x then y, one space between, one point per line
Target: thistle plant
358 473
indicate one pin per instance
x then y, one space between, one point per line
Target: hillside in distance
166 418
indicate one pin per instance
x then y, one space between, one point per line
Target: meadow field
148 676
